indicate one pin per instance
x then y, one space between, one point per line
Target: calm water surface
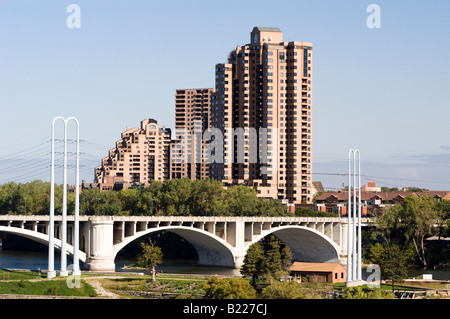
38 260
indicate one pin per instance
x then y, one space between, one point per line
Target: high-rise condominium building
263 105
142 154
192 118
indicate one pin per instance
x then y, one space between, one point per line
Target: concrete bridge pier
100 251
240 249
238 261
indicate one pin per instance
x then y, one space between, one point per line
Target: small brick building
319 272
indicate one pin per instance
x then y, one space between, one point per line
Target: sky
384 91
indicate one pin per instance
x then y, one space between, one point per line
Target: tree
286 258
176 195
94 202
270 207
443 208
304 212
393 264
234 288
387 225
241 200
390 189
278 259
31 198
253 262
309 212
153 197
273 262
417 217
376 252
109 204
147 203
130 200
204 197
409 223
150 257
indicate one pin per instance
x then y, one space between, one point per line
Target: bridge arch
40 238
211 250
307 244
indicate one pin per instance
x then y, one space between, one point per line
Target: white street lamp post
354 216
51 267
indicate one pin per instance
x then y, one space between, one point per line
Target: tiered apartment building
266 85
141 155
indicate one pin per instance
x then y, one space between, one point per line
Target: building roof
318 186
384 196
315 267
268 29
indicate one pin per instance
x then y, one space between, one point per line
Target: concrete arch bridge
219 241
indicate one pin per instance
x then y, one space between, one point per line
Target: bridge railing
285 219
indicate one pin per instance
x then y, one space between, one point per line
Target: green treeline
403 230
181 197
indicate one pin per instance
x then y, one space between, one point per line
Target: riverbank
20 284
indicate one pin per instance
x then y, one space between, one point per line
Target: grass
18 275
183 286
31 283
424 285
46 287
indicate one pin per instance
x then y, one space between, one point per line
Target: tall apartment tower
266 86
192 117
141 155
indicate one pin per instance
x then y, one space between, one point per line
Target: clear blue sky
384 91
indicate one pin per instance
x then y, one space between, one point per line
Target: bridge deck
280 219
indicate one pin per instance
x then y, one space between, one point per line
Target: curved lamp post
51 229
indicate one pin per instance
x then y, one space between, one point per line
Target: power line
27 174
95 145
11 157
23 167
331 174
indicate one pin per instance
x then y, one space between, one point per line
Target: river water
38 260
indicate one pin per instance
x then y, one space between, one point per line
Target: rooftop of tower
268 29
